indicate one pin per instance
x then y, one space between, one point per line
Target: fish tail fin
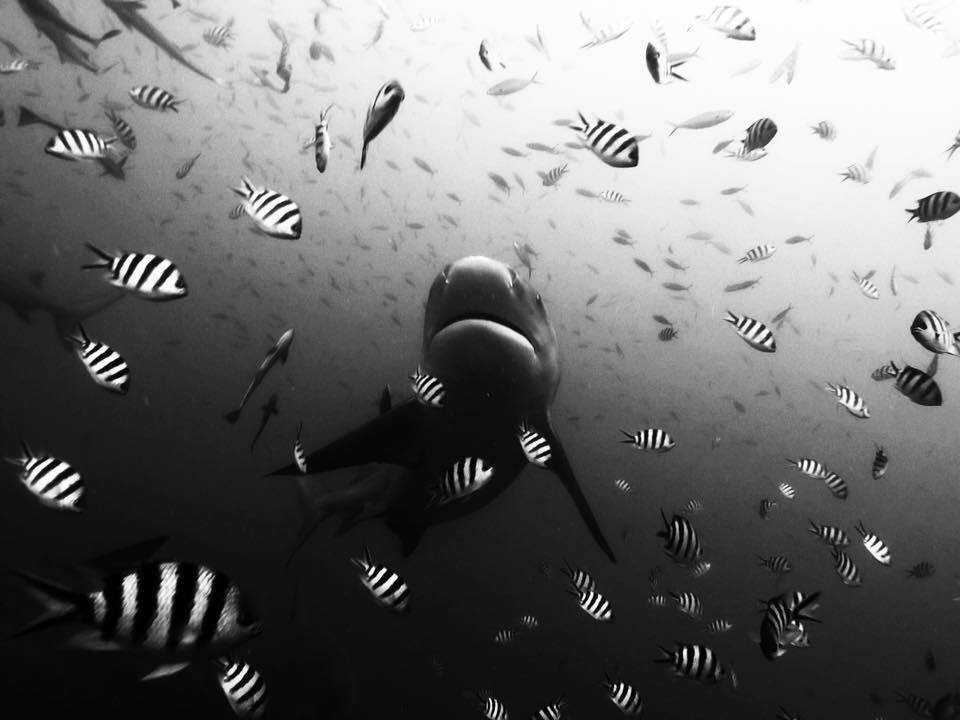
813 527
232 416
742 260
675 128
246 188
666 656
914 213
106 69
106 36
730 318
175 105
629 436
80 335
582 127
104 262
363 155
533 78
61 605
28 117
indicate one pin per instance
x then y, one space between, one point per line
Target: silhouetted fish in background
48 21
268 411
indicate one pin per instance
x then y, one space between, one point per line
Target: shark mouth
505 327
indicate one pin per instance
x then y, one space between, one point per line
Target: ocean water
162 461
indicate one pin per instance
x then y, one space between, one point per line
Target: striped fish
744 155
595 605
625 697
857 173
874 545
786 489
766 507
424 22
866 49
759 134
387 588
529 622
612 196
781 617
535 447
185 169
933 332
17 65
849 399
754 333
884 372
623 486
940 205
144 274
825 130
504 637
428 390
810 467
688 603
922 569
79 144
668 334
273 213
921 707
321 142
848 572
701 568
696 662
580 579
553 176
830 535
178 609
922 16
657 600
462 479
105 365
761 252
719 626
692 507
614 145
730 21
219 35
837 485
122 130
54 483
917 385
154 98
651 439
777 564
299 457
880 463
244 688
491 708
554 711
680 540
867 287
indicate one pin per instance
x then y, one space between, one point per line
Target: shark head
487 336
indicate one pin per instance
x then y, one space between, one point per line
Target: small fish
744 155
273 213
692 507
487 58
219 35
321 142
836 485
834 536
184 169
676 287
662 320
689 604
614 145
776 564
681 542
428 389
382 110
874 545
462 479
733 190
719 626
787 67
761 252
643 266
766 507
144 274
701 568
745 285
595 605
299 457
912 175
503 637
921 707
849 399
625 697
154 98
651 440
612 196
387 588
535 447
513 152
122 130
500 182
796 239
825 130
280 351
702 121
243 687
623 486
104 364
846 569
580 579
809 467
696 662
553 177
668 333
529 622
786 489
866 287
512 85
730 21
759 135
753 332
52 481
490 706
921 570
866 49
938 206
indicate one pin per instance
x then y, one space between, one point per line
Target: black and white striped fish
719 626
781 617
880 463
219 35
845 568
174 609
244 688
866 49
692 507
884 372
535 447
668 333
321 142
580 579
553 711
810 467
922 569
829 534
916 385
874 545
273 213
754 333
651 440
54 483
680 540
595 605
700 568
761 252
503 637
688 603
299 457
849 399
529 622
491 707
933 333
623 486
657 600
105 365
766 507
552 177
837 485
938 206
625 697
79 144
920 706
759 134
387 588
867 287
154 98
786 489
612 196
777 564
857 173
122 130
144 274
696 662
825 130
185 169
614 145
428 389
731 21
462 479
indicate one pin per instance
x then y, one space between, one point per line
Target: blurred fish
512 85
487 58
912 175
759 134
921 570
219 35
825 130
381 111
937 206
122 130
668 333
612 196
798 239
954 147
625 697
500 182
268 411
185 169
846 569
513 152
866 49
722 145
48 21
730 21
702 120
243 687
643 266
922 16
280 351
676 287
787 67
660 64
321 140
761 252
744 155
747 67
733 190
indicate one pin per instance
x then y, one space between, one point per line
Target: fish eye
539 299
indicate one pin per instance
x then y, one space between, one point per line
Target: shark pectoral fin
561 468
397 437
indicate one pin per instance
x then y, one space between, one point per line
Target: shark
130 14
488 339
47 19
111 164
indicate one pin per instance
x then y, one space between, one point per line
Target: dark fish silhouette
279 351
48 21
269 410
